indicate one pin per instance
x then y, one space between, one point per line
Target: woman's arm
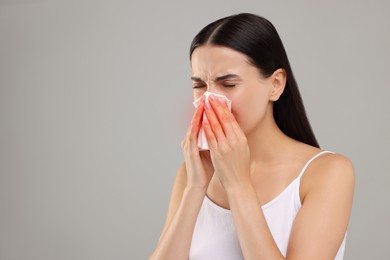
175 240
255 238
321 223
188 193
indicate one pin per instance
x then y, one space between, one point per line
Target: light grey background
95 99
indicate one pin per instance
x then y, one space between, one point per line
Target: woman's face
228 72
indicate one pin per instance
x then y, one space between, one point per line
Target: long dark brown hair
258 39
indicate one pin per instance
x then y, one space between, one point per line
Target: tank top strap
308 163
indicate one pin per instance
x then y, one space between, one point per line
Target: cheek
249 111
198 92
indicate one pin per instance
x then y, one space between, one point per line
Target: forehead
210 61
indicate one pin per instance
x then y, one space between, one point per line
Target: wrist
238 188
200 191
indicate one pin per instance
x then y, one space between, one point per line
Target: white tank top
215 237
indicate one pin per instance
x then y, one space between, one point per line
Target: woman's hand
229 148
198 163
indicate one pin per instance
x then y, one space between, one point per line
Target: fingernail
221 100
212 97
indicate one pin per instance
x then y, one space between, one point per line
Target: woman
264 190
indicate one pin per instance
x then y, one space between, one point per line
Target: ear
279 78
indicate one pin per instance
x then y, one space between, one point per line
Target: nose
210 86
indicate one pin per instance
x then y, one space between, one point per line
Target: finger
224 116
229 122
196 122
209 134
214 123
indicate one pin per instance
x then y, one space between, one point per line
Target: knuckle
191 139
224 149
235 142
225 117
217 128
194 124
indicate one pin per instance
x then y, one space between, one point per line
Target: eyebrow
227 76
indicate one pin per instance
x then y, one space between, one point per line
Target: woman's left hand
228 144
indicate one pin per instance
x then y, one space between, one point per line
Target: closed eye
228 85
199 86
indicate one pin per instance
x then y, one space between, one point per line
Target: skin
249 163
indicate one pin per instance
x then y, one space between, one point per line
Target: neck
267 143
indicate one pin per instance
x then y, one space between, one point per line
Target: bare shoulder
334 166
331 172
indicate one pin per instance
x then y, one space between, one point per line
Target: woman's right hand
198 163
